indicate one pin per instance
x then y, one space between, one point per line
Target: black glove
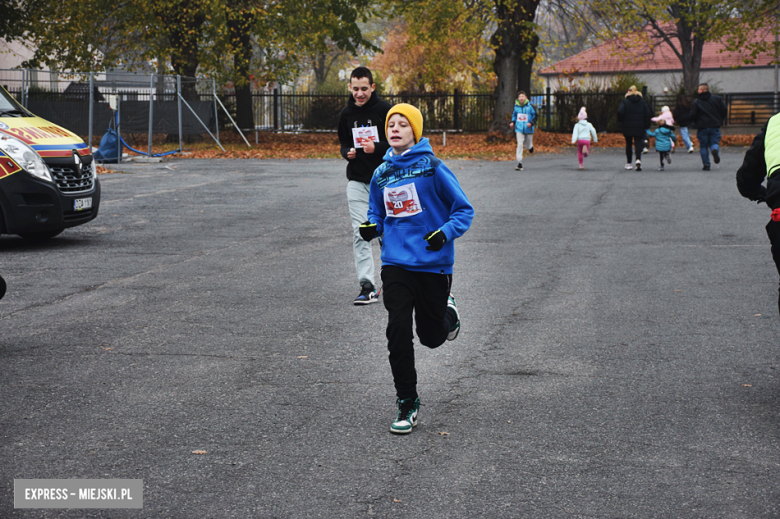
436 240
368 230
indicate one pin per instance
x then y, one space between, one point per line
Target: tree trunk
320 71
527 64
506 68
514 43
184 56
242 59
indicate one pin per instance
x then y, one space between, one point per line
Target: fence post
276 108
178 102
216 108
456 106
24 87
117 127
549 109
151 113
91 107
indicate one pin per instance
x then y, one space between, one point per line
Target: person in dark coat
682 116
708 112
762 160
635 116
363 143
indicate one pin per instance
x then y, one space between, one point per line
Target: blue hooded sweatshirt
411 195
663 138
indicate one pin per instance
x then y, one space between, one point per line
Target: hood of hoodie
412 155
584 123
636 98
518 103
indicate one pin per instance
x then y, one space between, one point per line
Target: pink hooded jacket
666 115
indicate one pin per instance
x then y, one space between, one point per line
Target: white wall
13 54
752 79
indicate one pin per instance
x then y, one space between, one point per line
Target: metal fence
177 107
473 112
288 111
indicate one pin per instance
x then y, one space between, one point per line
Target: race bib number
364 134
402 201
522 118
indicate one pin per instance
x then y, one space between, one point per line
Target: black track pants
773 231
425 294
639 144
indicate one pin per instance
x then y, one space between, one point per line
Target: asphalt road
618 356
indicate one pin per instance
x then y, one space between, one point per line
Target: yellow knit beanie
412 114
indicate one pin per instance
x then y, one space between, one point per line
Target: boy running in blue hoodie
419 206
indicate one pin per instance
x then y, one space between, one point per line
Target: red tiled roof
606 58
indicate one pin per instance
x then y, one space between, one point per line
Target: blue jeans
686 137
708 139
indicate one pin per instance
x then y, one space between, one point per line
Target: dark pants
639 143
709 139
425 293
773 231
662 155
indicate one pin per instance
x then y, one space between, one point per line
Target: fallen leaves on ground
474 146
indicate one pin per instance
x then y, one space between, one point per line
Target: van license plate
80 204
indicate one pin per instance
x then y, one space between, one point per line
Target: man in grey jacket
708 113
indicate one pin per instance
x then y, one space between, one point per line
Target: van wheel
41 236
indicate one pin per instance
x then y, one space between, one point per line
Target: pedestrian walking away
708 113
682 116
581 134
664 136
363 143
420 207
762 159
523 121
634 115
668 119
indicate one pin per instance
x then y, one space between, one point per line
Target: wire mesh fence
144 104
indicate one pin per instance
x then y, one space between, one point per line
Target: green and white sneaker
455 330
407 415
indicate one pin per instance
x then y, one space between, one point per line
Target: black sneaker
530 150
519 166
407 416
368 294
716 156
668 159
706 167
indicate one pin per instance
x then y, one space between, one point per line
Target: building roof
610 57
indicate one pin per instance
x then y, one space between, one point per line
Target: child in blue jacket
416 202
663 141
523 120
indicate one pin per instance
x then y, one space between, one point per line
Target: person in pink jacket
581 136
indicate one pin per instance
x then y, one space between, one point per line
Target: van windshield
10 107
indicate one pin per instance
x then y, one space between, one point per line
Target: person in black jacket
708 113
635 116
750 178
682 116
363 143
